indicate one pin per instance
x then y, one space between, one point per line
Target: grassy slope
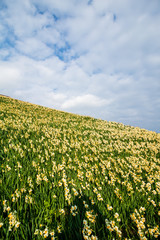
59 169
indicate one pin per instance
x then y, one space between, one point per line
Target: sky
99 58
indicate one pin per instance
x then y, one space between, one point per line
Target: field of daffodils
65 176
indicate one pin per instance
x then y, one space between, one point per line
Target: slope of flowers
65 176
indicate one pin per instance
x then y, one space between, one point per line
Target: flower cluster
88 232
13 220
111 226
138 218
45 233
74 210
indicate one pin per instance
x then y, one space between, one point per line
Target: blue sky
99 58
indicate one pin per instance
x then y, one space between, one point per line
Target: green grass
65 176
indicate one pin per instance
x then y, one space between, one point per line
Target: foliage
65 176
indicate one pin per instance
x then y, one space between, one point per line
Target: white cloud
87 100
48 97
34 47
100 59
22 16
9 76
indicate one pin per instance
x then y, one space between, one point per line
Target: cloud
9 76
33 47
87 100
99 58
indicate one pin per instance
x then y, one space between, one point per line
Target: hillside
65 176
